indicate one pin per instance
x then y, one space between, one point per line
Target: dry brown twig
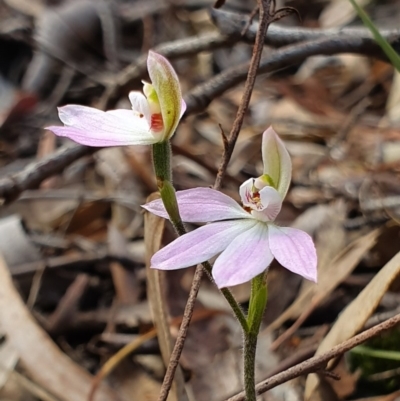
265 19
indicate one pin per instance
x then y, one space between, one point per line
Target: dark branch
31 177
124 81
232 24
202 95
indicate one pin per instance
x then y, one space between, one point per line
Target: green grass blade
376 353
382 42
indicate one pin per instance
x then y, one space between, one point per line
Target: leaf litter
75 288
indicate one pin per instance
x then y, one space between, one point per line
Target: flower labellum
245 237
153 118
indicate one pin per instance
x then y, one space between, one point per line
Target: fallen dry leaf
353 318
40 357
153 232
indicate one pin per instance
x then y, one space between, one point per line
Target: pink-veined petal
246 193
199 245
92 127
276 159
166 84
140 105
246 256
294 249
201 205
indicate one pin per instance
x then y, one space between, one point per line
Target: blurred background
73 281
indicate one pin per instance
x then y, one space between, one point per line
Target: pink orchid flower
153 118
245 236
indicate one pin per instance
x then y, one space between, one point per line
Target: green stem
258 301
161 153
249 351
237 310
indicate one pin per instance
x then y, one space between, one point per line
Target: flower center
253 199
157 123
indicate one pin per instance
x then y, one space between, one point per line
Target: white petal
271 201
93 127
199 245
140 105
246 193
247 256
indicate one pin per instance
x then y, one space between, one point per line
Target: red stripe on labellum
156 124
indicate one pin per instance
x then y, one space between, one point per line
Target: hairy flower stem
258 301
249 352
161 153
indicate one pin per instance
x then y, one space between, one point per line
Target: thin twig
265 18
317 363
180 341
187 316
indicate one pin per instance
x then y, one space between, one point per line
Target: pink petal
295 250
140 105
199 245
92 127
247 256
201 205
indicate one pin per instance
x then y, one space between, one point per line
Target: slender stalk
236 308
249 352
161 155
258 301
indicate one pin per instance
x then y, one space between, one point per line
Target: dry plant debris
75 287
